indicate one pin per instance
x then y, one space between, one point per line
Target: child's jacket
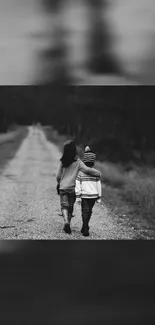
88 186
66 177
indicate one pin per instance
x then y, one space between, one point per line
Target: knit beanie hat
89 156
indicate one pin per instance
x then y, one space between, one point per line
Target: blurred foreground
77 283
80 42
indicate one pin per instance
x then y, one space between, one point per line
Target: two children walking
77 180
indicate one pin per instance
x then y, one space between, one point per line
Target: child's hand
78 201
98 200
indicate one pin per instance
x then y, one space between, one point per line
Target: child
66 178
88 191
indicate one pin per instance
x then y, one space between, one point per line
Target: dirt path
29 205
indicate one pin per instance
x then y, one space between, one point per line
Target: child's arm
78 188
59 173
88 170
99 189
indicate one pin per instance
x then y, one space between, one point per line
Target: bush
137 186
140 191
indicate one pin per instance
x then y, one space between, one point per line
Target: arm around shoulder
88 170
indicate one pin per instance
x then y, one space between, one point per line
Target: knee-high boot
85 227
70 214
66 221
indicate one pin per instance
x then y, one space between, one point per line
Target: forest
117 122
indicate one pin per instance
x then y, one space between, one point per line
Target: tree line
118 122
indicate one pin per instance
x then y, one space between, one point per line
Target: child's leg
70 212
64 208
72 199
87 206
91 205
65 215
85 216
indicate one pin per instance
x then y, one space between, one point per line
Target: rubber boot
85 227
66 228
69 217
70 214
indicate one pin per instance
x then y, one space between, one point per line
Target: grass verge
10 143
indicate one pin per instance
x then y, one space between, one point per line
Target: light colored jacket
88 186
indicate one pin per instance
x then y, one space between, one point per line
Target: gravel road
29 205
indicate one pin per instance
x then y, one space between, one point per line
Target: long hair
69 153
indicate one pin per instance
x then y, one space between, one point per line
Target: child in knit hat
88 190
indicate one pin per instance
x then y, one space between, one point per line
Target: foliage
118 122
